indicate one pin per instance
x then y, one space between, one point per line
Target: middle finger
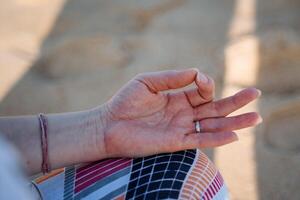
227 105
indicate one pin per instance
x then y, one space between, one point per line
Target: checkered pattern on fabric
160 176
185 174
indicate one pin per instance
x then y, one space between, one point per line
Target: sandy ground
58 56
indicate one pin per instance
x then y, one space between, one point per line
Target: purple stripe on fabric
214 192
82 170
206 195
100 169
217 182
110 171
220 178
215 186
97 167
209 193
212 189
83 167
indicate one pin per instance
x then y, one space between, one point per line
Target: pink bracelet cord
45 167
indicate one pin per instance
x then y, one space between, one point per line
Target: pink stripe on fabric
214 192
212 189
217 182
100 169
215 186
98 166
206 195
85 184
220 178
83 167
209 193
80 170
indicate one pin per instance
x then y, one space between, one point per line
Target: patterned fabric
181 175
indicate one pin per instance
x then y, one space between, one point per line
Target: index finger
206 87
170 79
203 93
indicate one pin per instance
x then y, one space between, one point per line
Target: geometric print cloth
185 174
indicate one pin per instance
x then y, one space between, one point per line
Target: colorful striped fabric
181 175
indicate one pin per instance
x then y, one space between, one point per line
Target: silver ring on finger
197 127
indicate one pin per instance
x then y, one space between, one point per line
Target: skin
141 119
153 121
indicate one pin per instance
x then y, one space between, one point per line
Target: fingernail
202 78
259 120
259 92
236 138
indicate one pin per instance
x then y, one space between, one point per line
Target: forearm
72 138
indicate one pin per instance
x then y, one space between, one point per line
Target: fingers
166 80
174 79
205 140
203 93
227 105
230 123
218 131
206 88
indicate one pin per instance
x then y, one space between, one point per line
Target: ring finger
230 123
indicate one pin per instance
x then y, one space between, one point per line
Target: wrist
101 120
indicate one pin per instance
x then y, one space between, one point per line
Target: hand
143 119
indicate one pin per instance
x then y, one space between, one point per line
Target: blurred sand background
58 56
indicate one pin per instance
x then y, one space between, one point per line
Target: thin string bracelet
45 167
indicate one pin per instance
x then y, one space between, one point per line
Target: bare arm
140 120
72 138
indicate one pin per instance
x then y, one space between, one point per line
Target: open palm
144 118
